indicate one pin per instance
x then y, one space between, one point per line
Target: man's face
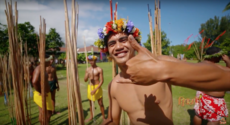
92 62
51 61
119 48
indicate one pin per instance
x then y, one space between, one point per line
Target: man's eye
124 40
111 44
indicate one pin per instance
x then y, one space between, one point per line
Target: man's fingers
134 43
139 48
126 81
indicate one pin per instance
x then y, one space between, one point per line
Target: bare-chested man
147 103
95 75
37 93
53 82
210 105
28 74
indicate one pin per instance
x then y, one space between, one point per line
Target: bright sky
179 18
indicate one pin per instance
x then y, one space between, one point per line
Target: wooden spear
42 35
16 62
151 32
93 107
73 72
160 27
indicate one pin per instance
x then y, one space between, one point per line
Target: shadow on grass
192 113
86 100
60 68
96 118
66 122
60 117
63 109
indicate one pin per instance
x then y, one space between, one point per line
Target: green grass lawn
182 115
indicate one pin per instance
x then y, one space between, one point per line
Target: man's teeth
121 54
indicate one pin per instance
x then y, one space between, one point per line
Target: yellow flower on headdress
120 24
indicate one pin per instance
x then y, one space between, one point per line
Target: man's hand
144 68
93 92
225 58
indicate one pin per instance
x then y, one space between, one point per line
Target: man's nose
119 46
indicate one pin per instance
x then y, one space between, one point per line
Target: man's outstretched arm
200 76
146 69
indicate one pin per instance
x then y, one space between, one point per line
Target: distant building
89 49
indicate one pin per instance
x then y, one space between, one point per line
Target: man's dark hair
212 50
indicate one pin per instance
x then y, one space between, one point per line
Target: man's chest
94 72
132 98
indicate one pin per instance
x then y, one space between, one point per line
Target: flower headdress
222 52
116 26
47 59
92 57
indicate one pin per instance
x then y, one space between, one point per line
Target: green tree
26 32
181 49
227 7
62 56
164 43
225 44
4 43
214 27
81 57
53 41
211 28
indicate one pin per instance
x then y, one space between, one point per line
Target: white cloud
90 35
53 13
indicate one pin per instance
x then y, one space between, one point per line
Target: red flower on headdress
108 26
136 32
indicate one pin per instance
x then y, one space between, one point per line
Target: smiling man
144 104
150 102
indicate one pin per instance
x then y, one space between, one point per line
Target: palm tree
227 7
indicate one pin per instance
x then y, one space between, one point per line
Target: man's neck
94 66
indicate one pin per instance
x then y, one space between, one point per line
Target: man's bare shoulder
167 58
113 85
99 69
37 69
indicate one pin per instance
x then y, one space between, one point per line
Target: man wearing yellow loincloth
37 93
95 75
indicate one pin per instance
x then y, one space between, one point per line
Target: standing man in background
53 82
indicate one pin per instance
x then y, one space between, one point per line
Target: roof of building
82 50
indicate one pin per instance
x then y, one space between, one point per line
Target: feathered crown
116 26
222 52
92 57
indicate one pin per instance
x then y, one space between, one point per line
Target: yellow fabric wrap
38 100
98 94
